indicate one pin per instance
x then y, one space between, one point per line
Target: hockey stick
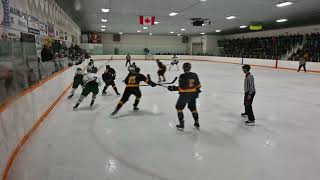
161 84
172 82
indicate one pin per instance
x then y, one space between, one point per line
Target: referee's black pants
248 106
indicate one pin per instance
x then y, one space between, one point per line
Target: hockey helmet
94 70
137 70
186 67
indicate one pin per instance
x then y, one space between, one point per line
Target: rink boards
281 64
23 115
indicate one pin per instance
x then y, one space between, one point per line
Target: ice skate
70 96
91 104
180 127
135 108
75 107
115 112
250 123
196 124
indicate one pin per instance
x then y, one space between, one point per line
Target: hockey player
77 80
174 61
249 93
132 67
90 66
189 89
162 70
108 77
92 83
133 82
128 58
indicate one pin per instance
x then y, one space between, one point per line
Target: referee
128 58
249 93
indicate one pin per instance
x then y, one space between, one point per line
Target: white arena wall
23 112
20 116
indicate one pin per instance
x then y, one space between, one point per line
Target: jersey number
132 80
191 83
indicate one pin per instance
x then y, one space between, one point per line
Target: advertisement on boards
25 37
4 13
43 29
33 25
13 35
51 31
18 20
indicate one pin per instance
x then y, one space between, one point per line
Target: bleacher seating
260 47
311 47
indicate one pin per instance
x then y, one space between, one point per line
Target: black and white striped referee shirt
249 87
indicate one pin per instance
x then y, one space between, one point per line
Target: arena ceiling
124 15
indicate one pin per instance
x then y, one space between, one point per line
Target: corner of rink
21 115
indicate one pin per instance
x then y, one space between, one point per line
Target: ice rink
145 145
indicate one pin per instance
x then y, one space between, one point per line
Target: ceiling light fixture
282 20
242 27
103 26
173 14
178 34
203 0
156 22
150 34
105 10
138 31
171 32
283 4
145 27
103 29
120 32
104 20
231 17
182 29
202 33
218 30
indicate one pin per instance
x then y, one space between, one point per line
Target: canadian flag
147 20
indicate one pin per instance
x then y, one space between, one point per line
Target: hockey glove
152 84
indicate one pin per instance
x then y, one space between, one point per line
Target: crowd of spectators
16 78
59 50
260 47
311 47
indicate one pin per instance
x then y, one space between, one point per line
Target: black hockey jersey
109 75
134 79
162 66
189 83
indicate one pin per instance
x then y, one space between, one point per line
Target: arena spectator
46 54
260 47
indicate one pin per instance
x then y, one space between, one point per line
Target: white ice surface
89 145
